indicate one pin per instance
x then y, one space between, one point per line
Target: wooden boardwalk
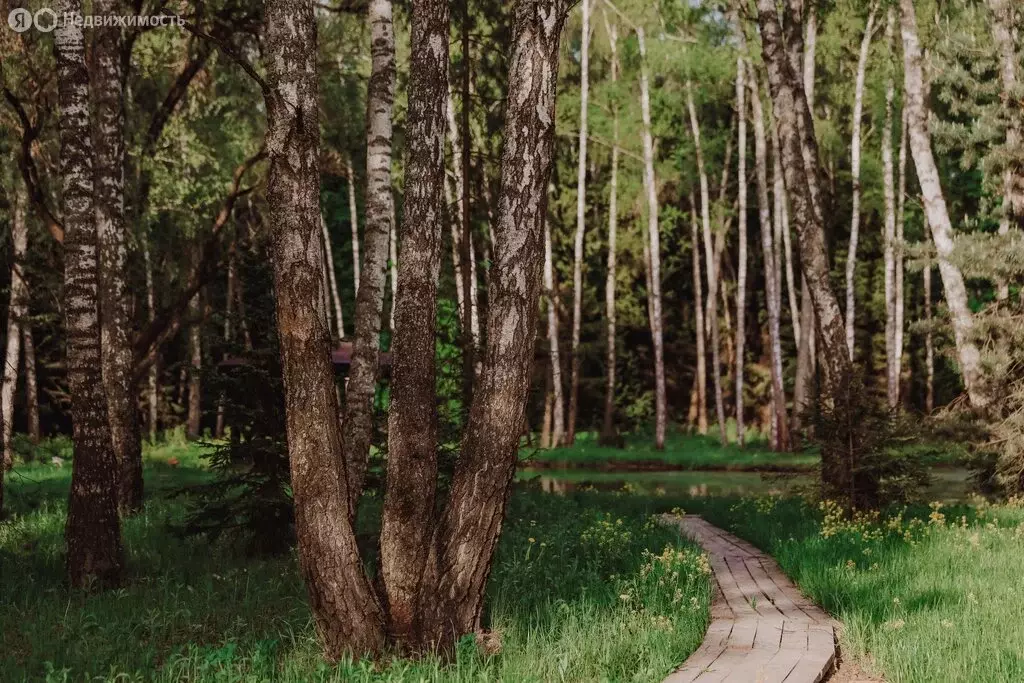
763 630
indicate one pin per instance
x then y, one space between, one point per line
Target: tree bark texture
17 310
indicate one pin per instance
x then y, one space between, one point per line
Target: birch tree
701 378
17 309
551 296
609 433
889 194
331 280
357 429
858 115
938 216
93 531
353 214
712 274
741 268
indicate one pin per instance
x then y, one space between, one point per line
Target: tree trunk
581 226
741 269
938 216
892 374
609 432
115 304
412 425
810 50
357 429
93 531
153 379
16 311
393 265
194 419
332 279
1003 32
472 519
651 189
31 383
701 379
780 426
347 616
551 293
929 344
712 271
353 214
470 319
801 172
900 223
858 116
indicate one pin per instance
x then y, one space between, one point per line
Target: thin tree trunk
889 193
357 430
551 294
810 50
31 383
701 381
115 312
581 226
929 344
653 235
153 379
472 519
332 279
938 216
229 306
193 424
16 312
858 116
93 531
393 264
609 432
900 223
780 426
741 270
1002 31
470 319
801 172
347 616
712 272
353 213
545 428
412 423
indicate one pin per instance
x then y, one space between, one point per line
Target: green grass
929 595
682 451
583 589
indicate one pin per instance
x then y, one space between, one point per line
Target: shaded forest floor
585 587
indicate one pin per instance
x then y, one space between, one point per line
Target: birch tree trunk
193 425
31 383
701 380
901 220
347 616
353 213
332 279
115 312
1002 31
551 294
801 172
651 190
393 264
357 429
780 422
473 517
16 312
412 423
889 193
93 531
609 432
858 115
229 311
741 269
929 344
153 374
581 225
938 216
712 273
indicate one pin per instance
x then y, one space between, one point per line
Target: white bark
558 407
889 193
937 213
332 281
858 112
651 188
354 220
741 270
701 379
393 265
608 427
16 312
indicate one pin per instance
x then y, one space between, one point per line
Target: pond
948 484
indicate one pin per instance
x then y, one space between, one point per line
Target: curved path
763 630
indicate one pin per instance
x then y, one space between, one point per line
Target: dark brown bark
412 426
115 313
801 174
471 523
347 615
362 377
93 531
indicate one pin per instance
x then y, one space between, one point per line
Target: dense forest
376 246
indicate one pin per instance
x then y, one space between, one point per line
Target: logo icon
46 20
20 19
